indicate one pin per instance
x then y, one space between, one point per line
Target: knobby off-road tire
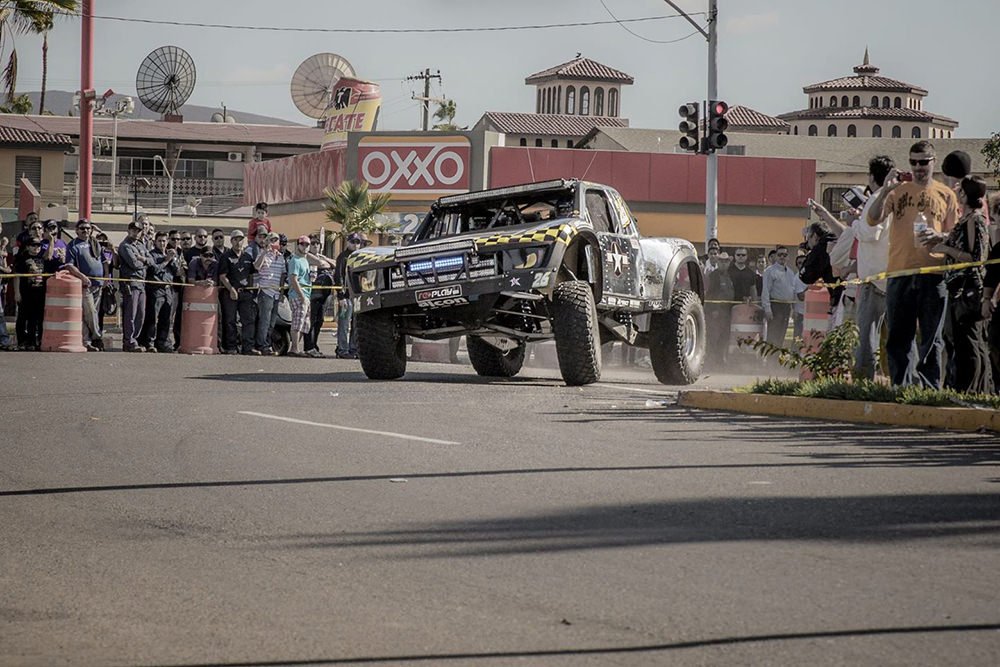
677 348
381 348
491 362
578 340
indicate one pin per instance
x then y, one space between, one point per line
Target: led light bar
465 245
502 192
437 264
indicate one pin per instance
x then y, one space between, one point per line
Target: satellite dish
313 82
166 79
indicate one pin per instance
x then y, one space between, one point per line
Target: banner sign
415 165
353 108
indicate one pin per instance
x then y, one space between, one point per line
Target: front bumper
456 293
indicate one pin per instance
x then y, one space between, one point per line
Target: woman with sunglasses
29 292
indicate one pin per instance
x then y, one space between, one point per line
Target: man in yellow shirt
917 203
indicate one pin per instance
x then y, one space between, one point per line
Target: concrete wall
52 174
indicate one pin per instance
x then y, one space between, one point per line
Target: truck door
619 250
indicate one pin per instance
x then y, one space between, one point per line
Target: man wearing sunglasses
777 296
922 211
85 260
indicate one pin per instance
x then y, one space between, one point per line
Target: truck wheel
491 362
381 348
578 341
677 346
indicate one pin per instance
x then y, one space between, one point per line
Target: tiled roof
581 68
832 154
868 113
739 116
15 135
549 124
150 130
865 82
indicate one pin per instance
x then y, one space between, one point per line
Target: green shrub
834 358
869 391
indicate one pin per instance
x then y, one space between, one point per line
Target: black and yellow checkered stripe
362 258
560 234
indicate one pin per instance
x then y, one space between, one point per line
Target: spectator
322 281
259 219
816 266
347 336
237 297
990 293
799 307
30 294
743 276
85 260
134 259
53 247
109 300
762 265
200 245
873 257
174 238
5 267
917 300
203 270
298 295
712 260
955 166
283 243
186 250
166 268
719 296
772 257
218 243
964 329
30 224
271 274
777 297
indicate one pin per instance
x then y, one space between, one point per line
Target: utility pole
87 96
712 168
426 100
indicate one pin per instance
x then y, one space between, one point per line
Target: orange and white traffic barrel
200 324
747 322
815 323
62 328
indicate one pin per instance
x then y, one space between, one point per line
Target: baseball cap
135 224
282 238
236 234
272 236
724 256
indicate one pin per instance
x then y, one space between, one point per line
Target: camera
854 197
905 176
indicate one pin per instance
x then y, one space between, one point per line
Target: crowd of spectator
143 278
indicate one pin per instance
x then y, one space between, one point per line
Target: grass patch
868 391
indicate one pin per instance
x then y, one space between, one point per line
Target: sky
768 50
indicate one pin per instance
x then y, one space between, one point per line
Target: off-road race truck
558 260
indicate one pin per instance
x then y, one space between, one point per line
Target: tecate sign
393 164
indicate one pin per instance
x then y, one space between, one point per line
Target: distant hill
60 103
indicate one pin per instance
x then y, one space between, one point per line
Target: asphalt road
172 510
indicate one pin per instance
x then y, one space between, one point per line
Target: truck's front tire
677 345
381 347
492 362
578 340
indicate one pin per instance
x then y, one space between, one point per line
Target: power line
624 27
226 26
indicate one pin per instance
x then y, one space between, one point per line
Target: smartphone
905 176
810 202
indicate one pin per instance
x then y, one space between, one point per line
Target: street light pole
170 185
86 108
114 164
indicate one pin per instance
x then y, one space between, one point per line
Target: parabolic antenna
313 82
166 79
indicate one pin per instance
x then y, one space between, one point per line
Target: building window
599 102
885 102
29 167
833 200
877 131
559 99
897 132
915 133
538 142
813 131
897 103
569 143
833 101
857 101
613 103
570 100
584 101
831 131
795 130
555 143
538 103
524 141
852 131
843 101
875 101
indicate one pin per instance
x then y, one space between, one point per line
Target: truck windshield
525 209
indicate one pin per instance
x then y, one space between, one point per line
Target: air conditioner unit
73 150
235 157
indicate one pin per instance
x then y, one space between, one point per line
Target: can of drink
919 227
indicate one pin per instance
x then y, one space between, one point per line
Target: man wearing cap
85 260
271 274
236 280
301 289
347 337
921 210
133 261
258 220
53 247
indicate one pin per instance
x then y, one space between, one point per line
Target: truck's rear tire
578 340
677 340
492 362
381 347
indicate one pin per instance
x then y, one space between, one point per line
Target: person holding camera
160 296
272 273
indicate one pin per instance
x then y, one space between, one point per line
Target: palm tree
18 17
356 209
446 114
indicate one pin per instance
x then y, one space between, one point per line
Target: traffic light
715 132
689 127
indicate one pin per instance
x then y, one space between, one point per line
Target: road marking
388 434
659 392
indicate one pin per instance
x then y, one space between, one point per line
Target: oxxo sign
421 166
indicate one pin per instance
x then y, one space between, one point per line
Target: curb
826 409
